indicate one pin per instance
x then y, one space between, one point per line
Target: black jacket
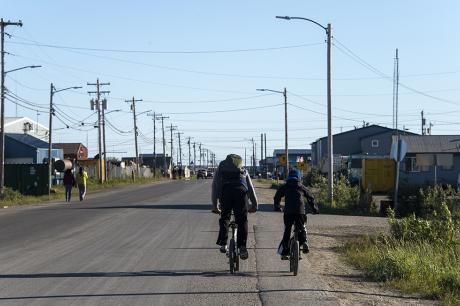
295 194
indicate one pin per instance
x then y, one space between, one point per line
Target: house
430 159
298 158
353 146
73 151
24 125
150 161
26 149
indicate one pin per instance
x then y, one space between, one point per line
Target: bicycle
232 253
294 252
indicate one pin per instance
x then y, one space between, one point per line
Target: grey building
371 141
431 159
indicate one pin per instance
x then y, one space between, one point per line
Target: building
24 125
298 158
149 161
430 159
73 151
353 146
26 149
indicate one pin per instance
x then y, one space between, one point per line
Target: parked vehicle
201 174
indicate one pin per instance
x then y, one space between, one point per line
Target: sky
200 62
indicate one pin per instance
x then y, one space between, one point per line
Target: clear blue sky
174 83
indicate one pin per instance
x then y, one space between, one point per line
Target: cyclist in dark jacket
294 210
232 187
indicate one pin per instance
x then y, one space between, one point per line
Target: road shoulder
325 276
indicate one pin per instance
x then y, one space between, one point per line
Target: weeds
419 255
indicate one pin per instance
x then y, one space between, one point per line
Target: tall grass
419 255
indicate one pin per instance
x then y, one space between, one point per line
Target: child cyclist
295 194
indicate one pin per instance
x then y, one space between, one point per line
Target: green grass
12 198
264 181
429 268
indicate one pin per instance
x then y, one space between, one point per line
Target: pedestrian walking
69 183
82 177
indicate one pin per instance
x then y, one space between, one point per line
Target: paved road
147 245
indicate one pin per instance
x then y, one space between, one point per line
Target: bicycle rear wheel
231 255
294 258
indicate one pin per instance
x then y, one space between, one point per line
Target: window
375 143
410 164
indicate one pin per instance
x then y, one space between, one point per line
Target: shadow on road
229 292
206 206
168 273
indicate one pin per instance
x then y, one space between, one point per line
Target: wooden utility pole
330 150
3 24
172 128
162 118
189 151
133 109
97 103
154 163
286 149
179 160
194 156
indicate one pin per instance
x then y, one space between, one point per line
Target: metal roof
28 140
431 143
291 151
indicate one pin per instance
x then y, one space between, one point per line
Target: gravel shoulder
325 234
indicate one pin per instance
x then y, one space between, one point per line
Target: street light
330 151
2 121
286 170
53 90
103 137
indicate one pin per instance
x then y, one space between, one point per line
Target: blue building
26 149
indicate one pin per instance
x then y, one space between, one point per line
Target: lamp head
284 17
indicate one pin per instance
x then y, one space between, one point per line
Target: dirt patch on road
326 234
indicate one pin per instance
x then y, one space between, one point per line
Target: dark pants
298 220
68 192
234 198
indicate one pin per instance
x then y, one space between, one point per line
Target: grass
426 267
12 198
264 181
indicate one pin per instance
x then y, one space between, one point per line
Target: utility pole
245 163
162 118
104 107
200 154
423 124
154 142
133 109
180 149
265 147
330 143
50 143
3 24
207 158
172 128
194 156
262 151
253 158
398 149
286 151
97 103
189 151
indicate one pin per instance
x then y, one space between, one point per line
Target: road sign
282 159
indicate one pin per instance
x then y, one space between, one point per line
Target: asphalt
147 245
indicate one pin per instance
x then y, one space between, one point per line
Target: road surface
150 245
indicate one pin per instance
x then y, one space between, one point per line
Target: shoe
284 257
305 248
223 248
243 253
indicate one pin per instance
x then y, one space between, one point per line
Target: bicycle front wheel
232 255
294 257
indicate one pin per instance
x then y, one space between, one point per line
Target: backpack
231 170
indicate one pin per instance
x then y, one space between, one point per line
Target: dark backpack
231 170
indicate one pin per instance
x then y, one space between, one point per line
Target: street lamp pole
330 150
50 133
286 148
